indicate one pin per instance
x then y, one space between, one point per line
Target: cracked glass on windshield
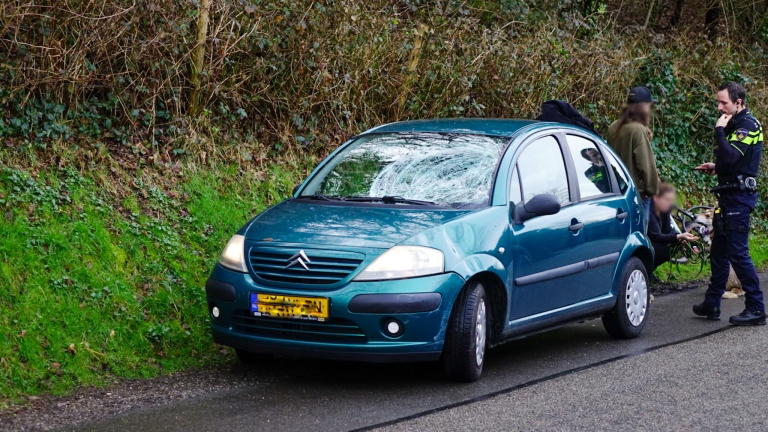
448 169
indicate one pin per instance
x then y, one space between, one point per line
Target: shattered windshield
453 170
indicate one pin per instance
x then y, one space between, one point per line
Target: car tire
466 340
252 358
628 317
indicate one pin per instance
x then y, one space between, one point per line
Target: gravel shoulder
88 404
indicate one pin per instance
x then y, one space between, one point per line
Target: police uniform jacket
738 148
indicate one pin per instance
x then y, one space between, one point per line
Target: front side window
542 170
454 170
591 169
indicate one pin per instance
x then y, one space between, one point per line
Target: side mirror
295 188
540 205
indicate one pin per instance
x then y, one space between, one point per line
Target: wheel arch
496 295
637 246
492 274
646 256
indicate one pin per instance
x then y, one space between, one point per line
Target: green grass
692 272
94 287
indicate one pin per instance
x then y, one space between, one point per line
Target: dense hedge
302 75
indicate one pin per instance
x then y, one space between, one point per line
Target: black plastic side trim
552 274
603 260
395 303
218 290
568 270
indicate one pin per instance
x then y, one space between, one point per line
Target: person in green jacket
630 137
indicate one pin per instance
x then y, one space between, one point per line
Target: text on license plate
280 306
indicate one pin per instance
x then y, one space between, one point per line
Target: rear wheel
467 335
252 358
627 319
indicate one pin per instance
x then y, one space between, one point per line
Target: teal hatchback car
436 240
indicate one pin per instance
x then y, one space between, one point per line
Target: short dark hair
735 91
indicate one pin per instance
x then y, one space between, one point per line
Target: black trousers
660 254
731 248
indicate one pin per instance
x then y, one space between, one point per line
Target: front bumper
421 340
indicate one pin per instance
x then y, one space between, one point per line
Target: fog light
215 312
393 327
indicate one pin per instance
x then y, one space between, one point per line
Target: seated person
660 230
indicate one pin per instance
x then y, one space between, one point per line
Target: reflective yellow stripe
749 139
737 148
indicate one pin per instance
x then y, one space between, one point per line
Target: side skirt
549 320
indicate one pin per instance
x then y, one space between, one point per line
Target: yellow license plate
280 306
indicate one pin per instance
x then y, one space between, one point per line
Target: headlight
233 256
404 262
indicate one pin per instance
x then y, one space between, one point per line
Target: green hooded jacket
633 145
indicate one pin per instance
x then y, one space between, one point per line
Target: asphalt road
572 378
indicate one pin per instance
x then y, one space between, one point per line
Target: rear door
546 249
604 210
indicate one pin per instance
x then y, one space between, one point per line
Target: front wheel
627 319
467 335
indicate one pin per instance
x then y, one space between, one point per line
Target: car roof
476 126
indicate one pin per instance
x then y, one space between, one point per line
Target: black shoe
748 318
711 313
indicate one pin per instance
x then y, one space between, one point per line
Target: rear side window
542 170
621 175
591 167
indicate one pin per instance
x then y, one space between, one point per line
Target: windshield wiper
320 197
390 200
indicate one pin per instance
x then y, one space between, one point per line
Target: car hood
364 226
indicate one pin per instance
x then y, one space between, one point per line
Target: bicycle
696 252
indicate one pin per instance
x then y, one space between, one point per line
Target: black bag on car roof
562 112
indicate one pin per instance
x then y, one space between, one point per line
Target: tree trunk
678 15
413 62
198 56
712 18
648 16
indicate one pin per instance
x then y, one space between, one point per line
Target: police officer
739 145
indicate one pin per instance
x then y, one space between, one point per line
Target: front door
546 248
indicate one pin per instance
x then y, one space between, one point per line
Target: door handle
621 215
578 226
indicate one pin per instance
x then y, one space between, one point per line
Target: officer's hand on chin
706 168
723 120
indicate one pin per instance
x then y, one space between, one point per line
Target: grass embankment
101 284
